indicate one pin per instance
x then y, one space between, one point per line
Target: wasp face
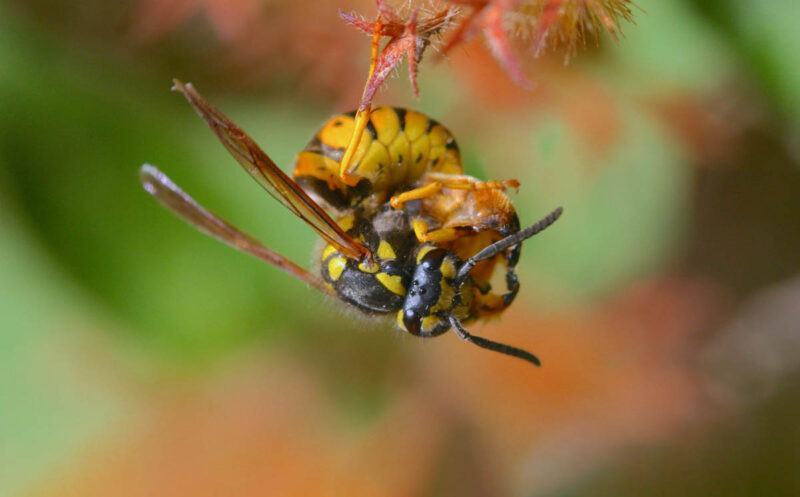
431 295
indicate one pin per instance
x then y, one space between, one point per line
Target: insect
401 151
373 259
406 156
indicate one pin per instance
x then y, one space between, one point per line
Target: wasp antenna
509 241
491 345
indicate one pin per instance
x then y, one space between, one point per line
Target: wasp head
432 295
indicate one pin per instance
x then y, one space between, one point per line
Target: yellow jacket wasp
380 256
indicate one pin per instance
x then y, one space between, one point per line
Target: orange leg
361 119
427 191
463 182
453 182
362 116
441 235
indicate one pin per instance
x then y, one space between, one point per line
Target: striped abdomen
397 148
376 285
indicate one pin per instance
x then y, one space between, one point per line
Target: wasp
379 255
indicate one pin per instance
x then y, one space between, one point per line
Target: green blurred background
138 357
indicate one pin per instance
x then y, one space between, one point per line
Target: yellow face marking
393 283
346 222
387 124
399 319
464 311
329 251
448 268
430 322
385 251
446 294
336 267
369 267
423 252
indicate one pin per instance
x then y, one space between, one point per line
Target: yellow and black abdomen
397 148
375 286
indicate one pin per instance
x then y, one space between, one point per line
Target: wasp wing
173 198
256 162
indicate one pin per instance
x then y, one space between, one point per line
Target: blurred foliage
46 408
606 243
88 173
717 465
137 354
766 40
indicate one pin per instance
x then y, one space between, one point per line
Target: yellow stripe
386 123
336 267
429 323
385 251
375 165
393 283
337 131
448 268
400 153
423 252
420 149
400 323
416 124
369 267
346 222
329 251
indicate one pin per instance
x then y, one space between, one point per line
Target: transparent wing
173 198
256 162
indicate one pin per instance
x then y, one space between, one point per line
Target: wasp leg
453 182
361 119
464 182
363 114
427 191
437 236
511 246
493 303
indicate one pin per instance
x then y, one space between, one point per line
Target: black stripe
401 116
316 146
431 124
451 144
352 113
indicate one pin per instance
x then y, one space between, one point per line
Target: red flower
407 39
